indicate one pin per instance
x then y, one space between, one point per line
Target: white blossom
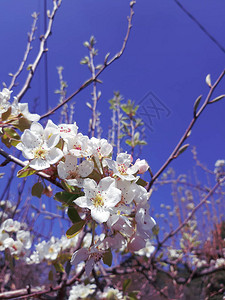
100 199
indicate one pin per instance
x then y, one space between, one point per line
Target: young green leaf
37 189
182 149
26 171
73 214
107 258
217 99
196 104
75 229
126 284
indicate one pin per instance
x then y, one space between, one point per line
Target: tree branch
106 64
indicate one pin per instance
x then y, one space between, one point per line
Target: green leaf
11 133
26 171
50 275
129 143
10 137
196 104
107 258
155 230
5 140
217 99
65 197
37 189
126 284
133 295
98 67
58 267
75 229
141 182
22 124
106 58
73 214
6 114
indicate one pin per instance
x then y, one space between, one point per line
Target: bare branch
174 154
42 50
28 49
106 64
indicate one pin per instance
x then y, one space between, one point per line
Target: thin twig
106 64
42 50
22 164
175 152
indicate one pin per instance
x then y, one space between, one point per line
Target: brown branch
42 50
22 164
175 152
106 64
28 49
173 232
35 292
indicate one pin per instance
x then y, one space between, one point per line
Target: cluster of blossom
219 169
111 191
82 291
7 208
12 237
15 109
50 250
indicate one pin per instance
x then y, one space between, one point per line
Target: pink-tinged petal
83 202
79 255
89 266
54 155
99 214
39 164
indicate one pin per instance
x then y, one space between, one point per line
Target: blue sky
167 55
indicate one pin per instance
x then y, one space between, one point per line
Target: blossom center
73 175
122 169
98 200
40 153
77 147
97 256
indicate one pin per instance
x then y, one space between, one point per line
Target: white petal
39 164
53 140
54 155
30 139
85 168
78 256
105 183
113 196
37 127
83 202
99 214
89 266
